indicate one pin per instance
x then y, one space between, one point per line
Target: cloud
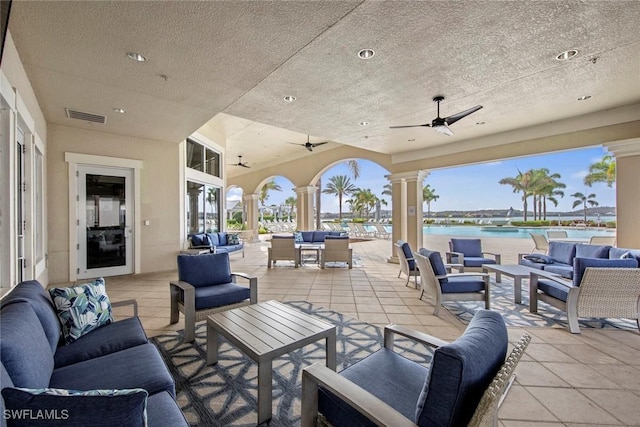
492 164
580 174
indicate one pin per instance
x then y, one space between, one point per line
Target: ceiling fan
308 145
241 163
442 124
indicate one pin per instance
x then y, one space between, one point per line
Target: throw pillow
297 237
50 406
82 309
540 259
233 239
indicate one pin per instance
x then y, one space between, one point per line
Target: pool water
511 232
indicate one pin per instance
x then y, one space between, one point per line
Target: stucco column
406 213
251 210
627 154
304 206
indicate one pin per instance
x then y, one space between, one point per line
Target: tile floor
564 379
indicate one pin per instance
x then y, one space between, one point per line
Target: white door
105 221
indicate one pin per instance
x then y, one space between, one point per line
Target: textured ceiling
241 58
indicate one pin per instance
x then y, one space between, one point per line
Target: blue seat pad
563 270
136 367
385 374
462 284
473 261
105 340
552 288
531 264
219 295
162 410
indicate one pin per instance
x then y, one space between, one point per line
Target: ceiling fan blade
444 129
295 143
244 165
309 147
409 126
317 144
452 119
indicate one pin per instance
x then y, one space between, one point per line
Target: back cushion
318 236
408 253
469 247
222 238
461 371
213 239
40 300
307 236
436 263
592 251
200 240
618 253
204 270
24 349
581 264
562 252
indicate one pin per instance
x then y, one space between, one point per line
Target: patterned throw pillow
81 309
233 239
297 237
126 407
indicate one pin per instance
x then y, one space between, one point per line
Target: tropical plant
388 190
429 195
291 202
354 166
584 200
362 201
602 171
521 184
264 191
544 187
339 185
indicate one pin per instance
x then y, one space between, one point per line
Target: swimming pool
510 232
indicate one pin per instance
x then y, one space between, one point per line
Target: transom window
203 159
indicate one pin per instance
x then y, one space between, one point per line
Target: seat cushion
204 270
220 295
540 258
461 371
436 263
468 247
408 254
553 289
136 367
531 264
40 300
562 252
105 340
563 270
462 285
592 251
474 261
162 410
24 349
385 374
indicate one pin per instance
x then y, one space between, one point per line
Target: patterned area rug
225 394
519 315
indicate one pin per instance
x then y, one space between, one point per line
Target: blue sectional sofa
217 243
116 356
315 236
561 255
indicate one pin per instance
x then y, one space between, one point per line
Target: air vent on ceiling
87 117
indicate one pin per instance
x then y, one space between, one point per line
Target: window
39 205
203 208
203 159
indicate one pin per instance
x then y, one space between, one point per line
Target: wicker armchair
283 248
336 249
407 262
600 288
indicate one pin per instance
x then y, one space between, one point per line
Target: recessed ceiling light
480 123
582 98
289 98
363 123
411 140
136 56
119 110
566 55
366 53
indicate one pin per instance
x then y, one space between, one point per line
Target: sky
472 187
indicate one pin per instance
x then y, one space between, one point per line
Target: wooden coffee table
263 332
517 272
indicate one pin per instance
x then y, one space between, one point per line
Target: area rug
225 394
519 314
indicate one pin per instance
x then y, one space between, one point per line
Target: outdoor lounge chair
465 383
283 248
540 243
381 232
205 286
557 234
600 288
336 249
603 240
469 253
407 262
441 286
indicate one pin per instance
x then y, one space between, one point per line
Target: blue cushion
105 340
307 236
136 367
204 270
474 261
617 253
200 240
162 410
101 408
397 381
462 285
318 236
331 237
408 253
562 252
40 300
436 263
233 239
297 237
531 264
540 258
24 349
554 289
563 270
222 238
461 371
220 295
213 239
592 251
468 247
580 265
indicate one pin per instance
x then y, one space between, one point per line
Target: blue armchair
407 262
469 253
462 386
206 285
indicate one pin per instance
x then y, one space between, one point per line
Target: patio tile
547 353
521 405
535 374
623 405
571 406
579 375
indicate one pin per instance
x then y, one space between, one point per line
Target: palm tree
264 193
291 203
387 190
429 195
521 183
354 166
212 197
362 201
339 185
584 200
544 187
602 171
